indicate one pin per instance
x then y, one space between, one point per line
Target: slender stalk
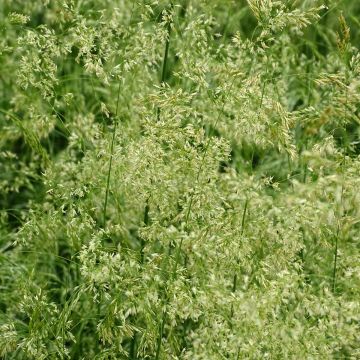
342 195
146 222
111 159
335 259
244 216
241 232
108 185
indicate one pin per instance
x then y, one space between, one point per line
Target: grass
179 180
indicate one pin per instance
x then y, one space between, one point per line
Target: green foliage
179 180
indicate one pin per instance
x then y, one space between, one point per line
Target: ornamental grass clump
179 179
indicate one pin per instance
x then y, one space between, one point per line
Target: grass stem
335 259
111 159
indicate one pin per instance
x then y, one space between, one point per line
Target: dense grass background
179 180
